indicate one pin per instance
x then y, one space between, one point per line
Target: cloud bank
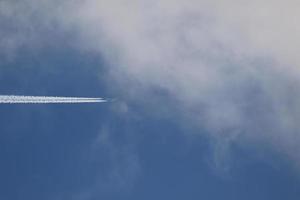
231 66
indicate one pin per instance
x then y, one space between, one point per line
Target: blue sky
195 116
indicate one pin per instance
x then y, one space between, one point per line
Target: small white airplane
16 99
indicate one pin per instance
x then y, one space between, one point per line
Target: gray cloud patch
231 75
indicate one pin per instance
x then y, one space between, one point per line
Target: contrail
14 99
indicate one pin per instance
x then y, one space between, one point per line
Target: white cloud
232 65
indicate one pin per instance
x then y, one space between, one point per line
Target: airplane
19 99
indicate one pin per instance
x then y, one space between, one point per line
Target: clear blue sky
136 147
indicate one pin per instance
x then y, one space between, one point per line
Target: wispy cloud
231 66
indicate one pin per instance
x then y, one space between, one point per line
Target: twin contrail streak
13 99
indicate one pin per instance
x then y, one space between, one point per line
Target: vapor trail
13 99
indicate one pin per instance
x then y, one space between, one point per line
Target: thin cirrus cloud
231 66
